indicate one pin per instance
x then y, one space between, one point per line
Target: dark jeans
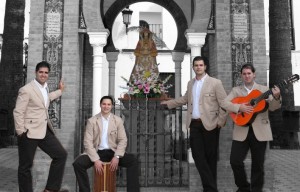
83 162
204 145
51 146
238 154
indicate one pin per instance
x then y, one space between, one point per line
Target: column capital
195 39
178 56
112 56
98 38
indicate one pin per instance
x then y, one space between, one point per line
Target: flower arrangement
147 85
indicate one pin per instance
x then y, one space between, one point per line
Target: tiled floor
286 171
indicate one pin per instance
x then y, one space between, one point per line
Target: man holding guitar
253 134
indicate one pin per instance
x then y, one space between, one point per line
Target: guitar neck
266 94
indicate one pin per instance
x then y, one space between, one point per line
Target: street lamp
126 13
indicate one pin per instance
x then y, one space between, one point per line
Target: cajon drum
106 182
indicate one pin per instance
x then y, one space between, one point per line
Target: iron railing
156 137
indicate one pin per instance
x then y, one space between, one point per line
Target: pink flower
140 87
146 88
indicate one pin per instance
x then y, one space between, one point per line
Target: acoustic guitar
256 99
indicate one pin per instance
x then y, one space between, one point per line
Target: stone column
98 41
195 41
178 58
111 57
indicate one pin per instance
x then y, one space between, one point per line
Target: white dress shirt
249 90
104 136
197 87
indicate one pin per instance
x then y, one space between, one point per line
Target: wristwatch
117 156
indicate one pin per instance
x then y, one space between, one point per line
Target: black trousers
83 162
204 145
238 154
51 146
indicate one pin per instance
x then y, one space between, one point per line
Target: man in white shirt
204 98
105 140
34 129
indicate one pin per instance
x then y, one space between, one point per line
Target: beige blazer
30 113
211 100
117 139
261 125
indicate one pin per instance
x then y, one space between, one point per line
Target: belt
196 120
104 150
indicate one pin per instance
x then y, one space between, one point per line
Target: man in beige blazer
34 129
253 136
204 98
105 140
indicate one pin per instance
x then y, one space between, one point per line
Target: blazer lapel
48 102
111 123
243 90
204 87
190 88
99 122
38 93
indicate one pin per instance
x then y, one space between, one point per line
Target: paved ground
286 170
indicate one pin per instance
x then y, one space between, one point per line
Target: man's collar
248 88
202 79
107 118
39 85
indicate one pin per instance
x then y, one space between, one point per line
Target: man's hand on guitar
276 92
246 108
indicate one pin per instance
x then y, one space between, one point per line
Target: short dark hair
248 66
200 58
107 97
42 64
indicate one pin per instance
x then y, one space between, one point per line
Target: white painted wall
296 52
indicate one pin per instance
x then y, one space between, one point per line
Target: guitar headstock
292 79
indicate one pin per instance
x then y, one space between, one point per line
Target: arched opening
176 12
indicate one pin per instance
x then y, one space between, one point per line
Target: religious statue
145 53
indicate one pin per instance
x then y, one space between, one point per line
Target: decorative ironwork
52 50
211 24
241 48
156 137
82 24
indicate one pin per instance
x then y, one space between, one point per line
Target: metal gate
156 137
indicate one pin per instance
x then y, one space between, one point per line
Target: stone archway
178 15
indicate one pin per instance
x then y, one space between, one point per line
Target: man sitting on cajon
105 141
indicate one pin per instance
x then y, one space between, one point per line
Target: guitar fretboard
266 94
